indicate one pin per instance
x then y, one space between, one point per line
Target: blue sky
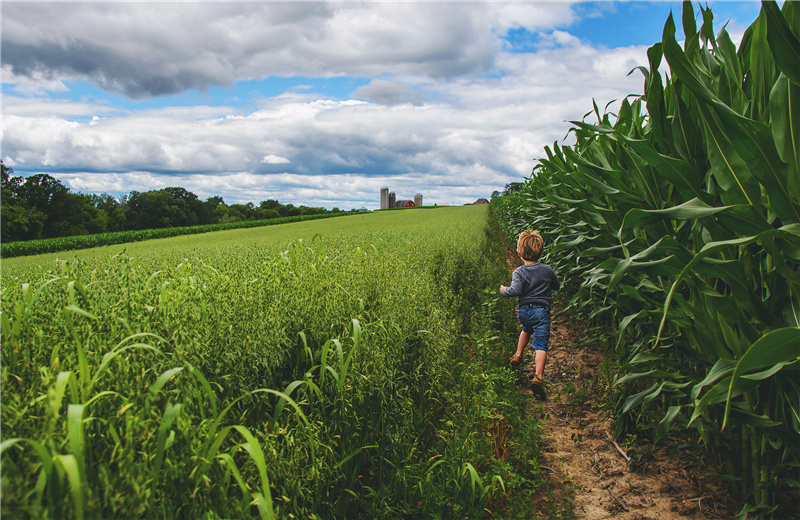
313 103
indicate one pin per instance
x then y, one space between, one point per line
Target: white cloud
477 135
389 93
146 49
442 110
274 159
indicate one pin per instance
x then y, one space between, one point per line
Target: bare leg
524 337
541 357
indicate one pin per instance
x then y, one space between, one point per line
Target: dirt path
600 476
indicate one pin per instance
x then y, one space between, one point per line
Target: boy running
533 285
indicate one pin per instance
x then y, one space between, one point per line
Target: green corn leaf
668 266
213 440
637 399
785 46
743 147
693 209
324 361
650 374
666 423
743 219
791 232
688 21
643 176
758 511
744 414
677 171
766 374
779 346
718 394
728 167
623 324
784 102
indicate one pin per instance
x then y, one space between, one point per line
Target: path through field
587 466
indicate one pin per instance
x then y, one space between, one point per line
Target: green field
339 368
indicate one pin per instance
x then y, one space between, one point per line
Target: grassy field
271 238
339 368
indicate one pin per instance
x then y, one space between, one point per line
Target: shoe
537 385
515 360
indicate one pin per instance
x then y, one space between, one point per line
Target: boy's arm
515 288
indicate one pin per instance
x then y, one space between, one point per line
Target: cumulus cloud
156 49
389 93
443 109
274 159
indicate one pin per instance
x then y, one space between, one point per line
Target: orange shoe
537 385
515 361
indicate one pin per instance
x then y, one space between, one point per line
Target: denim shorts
536 321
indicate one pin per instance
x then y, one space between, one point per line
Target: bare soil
603 477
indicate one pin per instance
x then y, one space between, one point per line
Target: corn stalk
677 221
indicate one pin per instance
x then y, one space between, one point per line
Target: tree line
40 206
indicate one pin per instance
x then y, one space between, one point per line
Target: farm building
389 200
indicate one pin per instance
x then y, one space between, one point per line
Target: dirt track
601 476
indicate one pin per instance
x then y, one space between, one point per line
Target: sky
311 103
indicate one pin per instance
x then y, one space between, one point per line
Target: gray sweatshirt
533 283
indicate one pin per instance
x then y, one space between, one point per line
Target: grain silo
384 197
391 199
418 199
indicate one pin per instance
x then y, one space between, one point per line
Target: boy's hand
502 287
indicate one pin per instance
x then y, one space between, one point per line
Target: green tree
18 220
269 204
263 214
289 210
244 211
115 218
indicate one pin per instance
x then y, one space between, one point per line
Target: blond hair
530 245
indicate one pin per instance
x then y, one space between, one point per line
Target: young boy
533 285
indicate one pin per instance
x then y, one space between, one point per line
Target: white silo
418 199
384 197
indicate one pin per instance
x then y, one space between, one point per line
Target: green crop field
338 368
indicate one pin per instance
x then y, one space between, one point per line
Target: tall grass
678 221
350 374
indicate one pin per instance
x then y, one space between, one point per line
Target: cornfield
677 223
